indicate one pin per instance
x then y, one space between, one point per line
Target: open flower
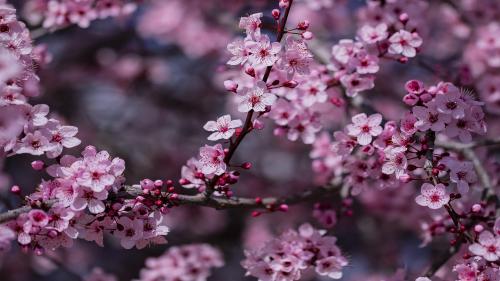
255 98
433 196
223 128
488 246
364 128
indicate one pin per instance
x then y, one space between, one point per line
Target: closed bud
256 214
15 189
303 25
250 71
246 165
410 99
284 3
308 35
37 165
290 84
230 85
283 207
184 181
276 14
403 18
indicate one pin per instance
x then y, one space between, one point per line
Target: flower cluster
54 14
77 203
286 257
188 262
354 62
482 57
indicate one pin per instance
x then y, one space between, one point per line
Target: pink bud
256 214
258 200
184 181
410 99
283 207
414 86
250 71
257 124
246 165
308 35
230 85
476 208
403 60
147 184
337 101
158 183
37 165
15 189
290 84
303 25
478 228
276 14
403 18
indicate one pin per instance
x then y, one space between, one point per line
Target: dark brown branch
270 203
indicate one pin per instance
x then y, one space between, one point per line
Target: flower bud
308 35
303 25
230 85
276 14
37 165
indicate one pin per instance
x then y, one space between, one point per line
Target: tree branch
269 203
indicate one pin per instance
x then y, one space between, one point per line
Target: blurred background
142 87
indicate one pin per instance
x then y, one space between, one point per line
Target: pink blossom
433 196
371 35
396 162
251 24
430 118
364 128
33 143
238 51
263 52
405 43
212 160
223 128
463 174
129 231
255 98
488 246
355 83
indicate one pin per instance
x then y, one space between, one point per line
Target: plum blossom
212 160
129 231
463 174
430 118
433 196
287 256
187 262
396 162
223 128
405 43
251 24
371 35
238 51
355 83
263 52
364 128
255 98
487 246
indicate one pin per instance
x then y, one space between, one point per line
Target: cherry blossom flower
405 43
371 35
263 52
223 128
463 174
251 24
364 128
396 161
187 262
212 160
255 98
355 83
430 118
433 196
488 246
129 231
33 143
238 51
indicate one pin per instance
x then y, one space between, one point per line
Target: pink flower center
435 198
492 249
365 129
